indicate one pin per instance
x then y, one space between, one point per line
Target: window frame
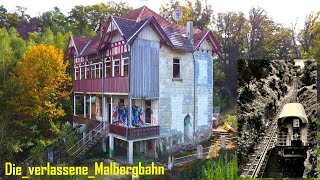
114 66
125 65
175 65
148 108
76 73
106 67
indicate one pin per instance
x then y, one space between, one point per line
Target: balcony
135 132
80 119
112 84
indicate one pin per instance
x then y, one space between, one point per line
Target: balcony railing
80 119
135 132
112 84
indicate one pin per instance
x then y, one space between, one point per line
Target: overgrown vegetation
223 167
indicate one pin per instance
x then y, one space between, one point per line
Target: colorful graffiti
120 116
137 117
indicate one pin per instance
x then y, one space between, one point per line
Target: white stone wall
176 97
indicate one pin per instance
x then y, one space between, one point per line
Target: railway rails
258 160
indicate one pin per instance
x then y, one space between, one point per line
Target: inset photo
277 119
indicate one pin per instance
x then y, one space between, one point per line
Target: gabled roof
75 46
132 23
128 27
179 41
80 43
92 46
143 13
200 36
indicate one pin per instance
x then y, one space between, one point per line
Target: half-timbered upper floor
101 63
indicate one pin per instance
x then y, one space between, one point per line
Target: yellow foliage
42 82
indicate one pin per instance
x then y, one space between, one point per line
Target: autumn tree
42 81
201 14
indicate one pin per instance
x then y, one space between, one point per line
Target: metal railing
92 137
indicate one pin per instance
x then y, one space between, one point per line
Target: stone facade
183 121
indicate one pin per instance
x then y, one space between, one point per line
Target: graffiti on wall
137 117
187 129
120 116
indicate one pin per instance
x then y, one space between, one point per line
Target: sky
285 12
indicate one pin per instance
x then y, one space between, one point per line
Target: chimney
189 30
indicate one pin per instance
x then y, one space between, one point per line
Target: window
125 65
176 68
98 70
93 71
107 66
116 66
82 72
87 75
76 73
148 111
121 102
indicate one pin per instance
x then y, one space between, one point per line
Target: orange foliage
42 82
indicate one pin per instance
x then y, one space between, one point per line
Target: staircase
89 141
219 133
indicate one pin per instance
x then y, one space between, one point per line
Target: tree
85 19
202 15
315 33
306 37
6 55
3 16
18 45
55 20
41 82
261 34
232 29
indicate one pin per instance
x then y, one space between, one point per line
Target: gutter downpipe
129 91
194 98
102 95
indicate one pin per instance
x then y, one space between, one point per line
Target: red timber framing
88 70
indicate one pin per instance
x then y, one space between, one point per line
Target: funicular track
258 160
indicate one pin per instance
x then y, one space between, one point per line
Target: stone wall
204 94
176 98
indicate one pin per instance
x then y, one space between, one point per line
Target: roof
132 23
179 41
128 27
293 110
80 43
143 13
92 46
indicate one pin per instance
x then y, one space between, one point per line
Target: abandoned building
147 80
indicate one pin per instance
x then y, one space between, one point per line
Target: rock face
307 95
258 103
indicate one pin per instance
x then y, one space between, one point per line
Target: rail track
258 160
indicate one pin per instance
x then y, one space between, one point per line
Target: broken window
148 111
176 68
